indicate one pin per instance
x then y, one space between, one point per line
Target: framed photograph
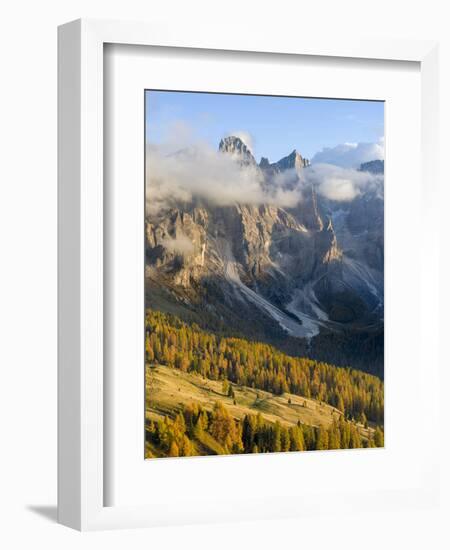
245 328
264 280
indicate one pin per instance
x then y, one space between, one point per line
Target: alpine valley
307 278
264 303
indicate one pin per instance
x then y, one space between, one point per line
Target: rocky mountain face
373 166
235 147
293 161
307 278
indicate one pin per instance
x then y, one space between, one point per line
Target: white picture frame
81 390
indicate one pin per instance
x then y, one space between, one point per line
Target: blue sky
276 125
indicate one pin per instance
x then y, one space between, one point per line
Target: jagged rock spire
234 146
293 161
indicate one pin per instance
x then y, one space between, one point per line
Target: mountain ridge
300 274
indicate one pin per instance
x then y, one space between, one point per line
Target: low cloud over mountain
350 155
342 184
200 171
293 250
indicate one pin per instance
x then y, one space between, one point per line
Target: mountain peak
233 145
293 161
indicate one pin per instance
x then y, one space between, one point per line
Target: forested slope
359 397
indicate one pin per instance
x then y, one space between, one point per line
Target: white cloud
199 171
342 184
350 155
181 244
203 172
338 189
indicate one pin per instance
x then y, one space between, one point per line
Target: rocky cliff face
373 166
235 147
294 161
295 272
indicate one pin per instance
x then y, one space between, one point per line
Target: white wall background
28 269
